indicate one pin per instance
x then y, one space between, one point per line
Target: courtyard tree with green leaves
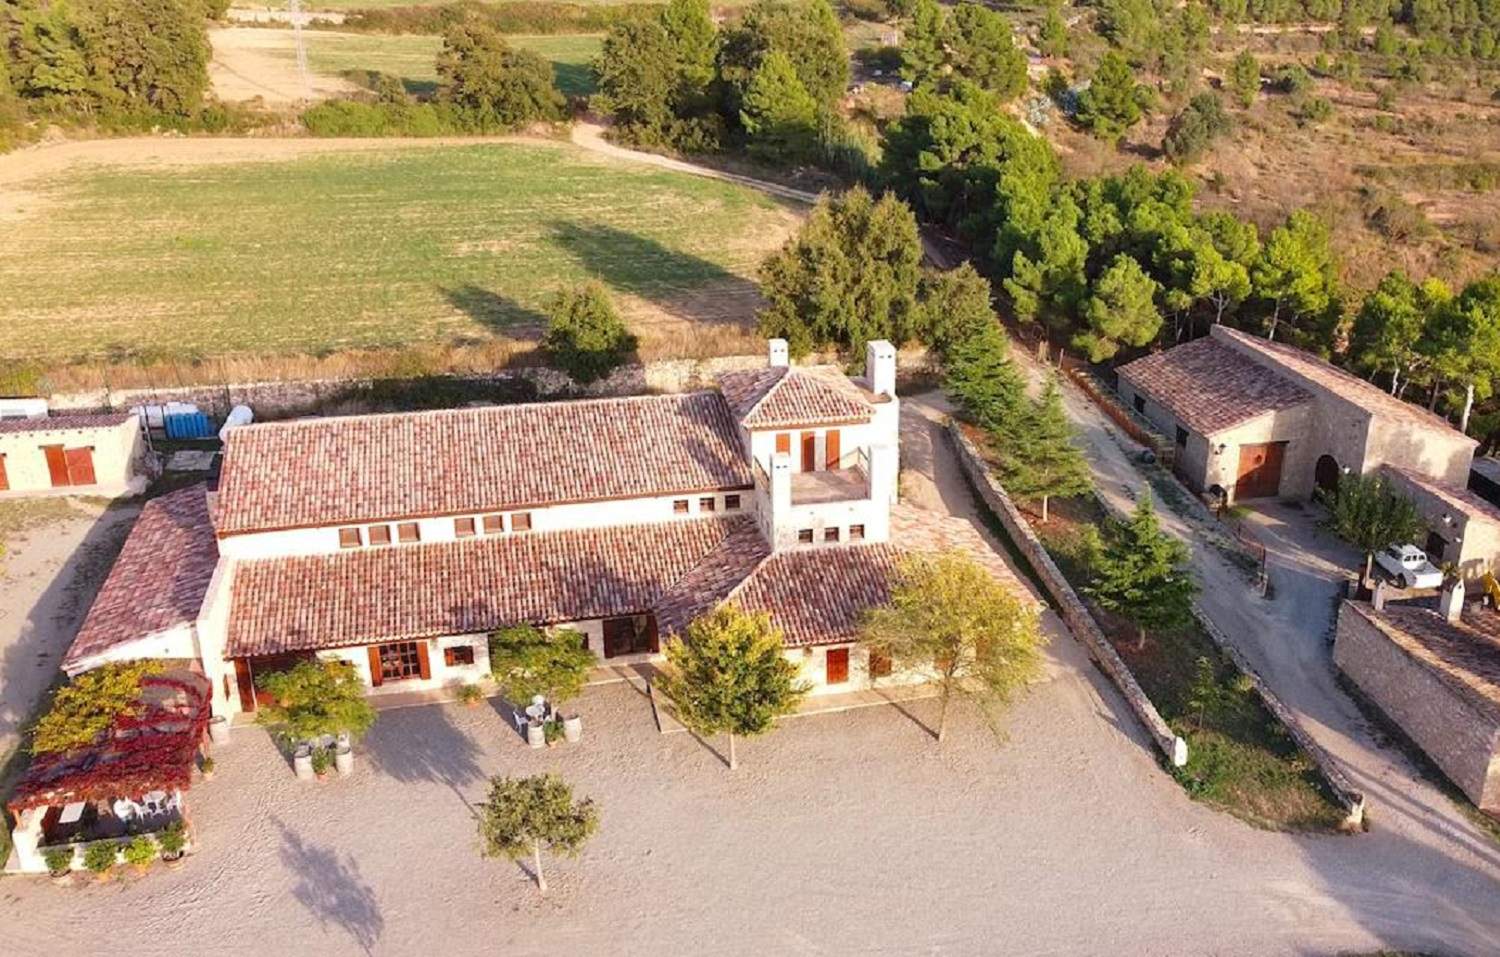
585 336
728 674
522 816
314 699
951 621
1369 513
527 661
1141 574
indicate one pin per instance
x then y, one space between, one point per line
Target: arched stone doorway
1326 473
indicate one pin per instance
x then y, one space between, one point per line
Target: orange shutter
423 664
4 482
57 465
809 451
80 466
784 443
375 676
831 451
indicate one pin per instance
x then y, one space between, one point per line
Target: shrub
470 694
1193 130
1293 80
361 119
322 760
59 860
585 336
493 85
101 856
511 17
1316 109
173 839
140 851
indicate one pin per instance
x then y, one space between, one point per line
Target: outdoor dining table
72 813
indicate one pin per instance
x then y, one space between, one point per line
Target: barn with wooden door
1255 419
72 454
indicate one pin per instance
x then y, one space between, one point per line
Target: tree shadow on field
492 310
641 266
331 888
421 744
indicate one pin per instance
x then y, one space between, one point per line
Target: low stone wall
1069 606
1349 797
284 400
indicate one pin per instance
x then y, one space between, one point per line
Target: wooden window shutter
831 451
80 466
422 661
784 443
4 482
57 465
375 676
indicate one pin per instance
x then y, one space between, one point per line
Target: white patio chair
125 809
155 801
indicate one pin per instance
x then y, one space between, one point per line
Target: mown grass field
371 249
411 56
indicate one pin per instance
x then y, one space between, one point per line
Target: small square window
731 503
520 521
494 524
1140 404
458 655
463 527
350 538
805 536
831 534
680 506
706 503
408 532
1181 437
380 534
856 533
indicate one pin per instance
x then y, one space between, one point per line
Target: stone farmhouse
398 542
75 454
1256 419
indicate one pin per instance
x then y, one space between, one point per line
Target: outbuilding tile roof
381 467
419 591
1210 386
779 396
160 579
1464 655
1460 499
54 423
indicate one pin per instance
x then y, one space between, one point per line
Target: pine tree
1113 101
1140 574
1121 311
980 377
1039 458
922 53
727 675
1244 78
778 113
1052 40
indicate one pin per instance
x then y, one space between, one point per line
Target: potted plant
100 858
536 734
552 731
322 760
207 767
173 840
470 694
139 852
59 861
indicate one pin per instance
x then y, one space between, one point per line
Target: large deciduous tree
520 816
493 85
313 699
728 675
526 661
952 622
849 275
1367 512
1141 573
585 336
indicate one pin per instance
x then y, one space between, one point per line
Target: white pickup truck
1408 565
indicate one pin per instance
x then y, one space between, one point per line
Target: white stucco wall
118 454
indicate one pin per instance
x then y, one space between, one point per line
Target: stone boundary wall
1135 425
1349 797
281 400
1069 606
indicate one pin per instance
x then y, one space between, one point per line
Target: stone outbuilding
1259 419
1435 675
72 454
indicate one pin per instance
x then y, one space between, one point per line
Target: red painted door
1260 470
837 670
57 465
80 466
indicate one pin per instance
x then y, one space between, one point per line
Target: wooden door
57 465
4 482
784 443
837 669
1260 470
831 451
619 636
245 683
80 466
809 451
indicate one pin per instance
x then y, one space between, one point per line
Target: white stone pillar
880 367
781 500
884 466
777 355
1451 600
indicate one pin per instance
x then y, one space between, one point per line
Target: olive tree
522 815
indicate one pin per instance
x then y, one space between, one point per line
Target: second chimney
880 367
776 353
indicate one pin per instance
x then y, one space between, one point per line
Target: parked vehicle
1408 564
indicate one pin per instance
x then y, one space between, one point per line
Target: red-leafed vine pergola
151 749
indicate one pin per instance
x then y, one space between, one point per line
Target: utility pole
295 7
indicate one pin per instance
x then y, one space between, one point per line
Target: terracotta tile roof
416 591
1364 394
160 578
708 584
780 396
372 467
1464 655
1210 386
1460 499
54 423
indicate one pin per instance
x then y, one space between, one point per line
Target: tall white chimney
1451 600
776 353
880 367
